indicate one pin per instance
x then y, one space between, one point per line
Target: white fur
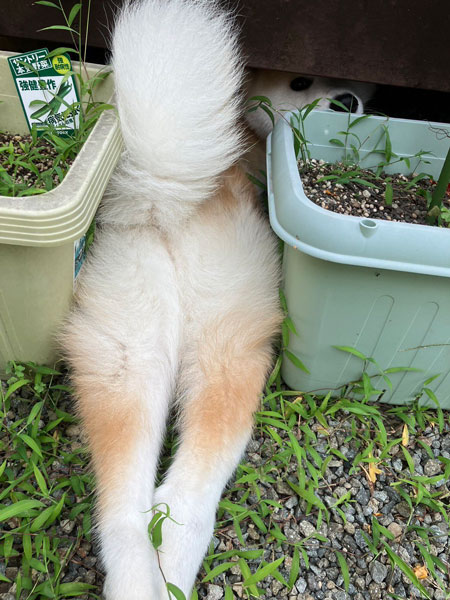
275 86
178 299
178 137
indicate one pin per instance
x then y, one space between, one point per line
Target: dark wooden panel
396 42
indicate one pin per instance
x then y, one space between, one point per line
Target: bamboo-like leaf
263 572
218 570
296 361
73 13
31 443
295 568
344 569
20 508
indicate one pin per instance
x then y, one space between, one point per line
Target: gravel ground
370 578
357 199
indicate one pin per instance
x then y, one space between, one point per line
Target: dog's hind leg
231 300
216 426
122 344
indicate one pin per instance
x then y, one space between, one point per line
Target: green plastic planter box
377 286
41 236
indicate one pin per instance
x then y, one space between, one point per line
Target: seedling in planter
436 208
31 165
366 191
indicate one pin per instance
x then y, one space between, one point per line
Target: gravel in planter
30 164
360 200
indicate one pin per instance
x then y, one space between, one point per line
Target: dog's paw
141 581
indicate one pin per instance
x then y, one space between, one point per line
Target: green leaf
357 120
73 13
18 509
405 568
409 460
263 572
337 142
74 588
258 521
59 27
296 361
228 593
31 443
27 546
351 350
47 3
40 480
388 195
295 568
34 411
218 570
15 386
344 569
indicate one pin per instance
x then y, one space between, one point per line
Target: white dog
178 299
290 91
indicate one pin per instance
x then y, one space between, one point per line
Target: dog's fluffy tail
178 72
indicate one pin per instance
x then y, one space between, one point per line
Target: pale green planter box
377 286
38 234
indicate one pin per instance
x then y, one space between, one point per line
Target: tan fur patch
235 189
233 370
113 426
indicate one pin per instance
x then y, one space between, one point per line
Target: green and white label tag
48 94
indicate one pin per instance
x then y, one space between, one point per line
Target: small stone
366 193
403 509
276 587
398 465
67 525
307 528
349 528
432 467
301 585
291 502
378 571
73 430
395 529
283 488
340 595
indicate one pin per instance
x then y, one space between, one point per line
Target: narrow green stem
442 183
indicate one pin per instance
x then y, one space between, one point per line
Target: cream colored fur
177 304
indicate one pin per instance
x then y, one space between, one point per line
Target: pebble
403 509
395 529
378 571
73 430
307 528
432 467
349 528
301 585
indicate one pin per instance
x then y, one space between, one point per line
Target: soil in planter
354 197
27 167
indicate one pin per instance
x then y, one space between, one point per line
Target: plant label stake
47 91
